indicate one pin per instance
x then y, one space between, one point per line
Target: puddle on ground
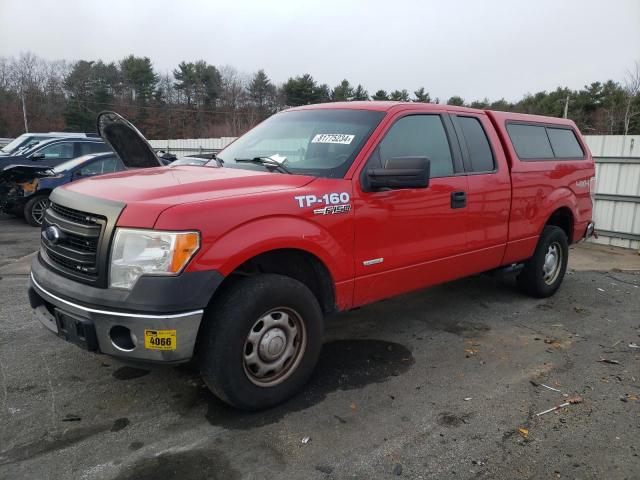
188 465
343 365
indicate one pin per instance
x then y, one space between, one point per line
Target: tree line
198 99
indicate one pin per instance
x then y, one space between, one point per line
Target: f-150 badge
332 210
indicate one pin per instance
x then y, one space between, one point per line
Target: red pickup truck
318 209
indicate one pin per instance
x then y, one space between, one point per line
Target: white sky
476 49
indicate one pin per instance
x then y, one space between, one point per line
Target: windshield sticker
333 138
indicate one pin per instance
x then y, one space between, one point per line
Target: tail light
592 189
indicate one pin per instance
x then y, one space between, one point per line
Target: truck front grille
74 252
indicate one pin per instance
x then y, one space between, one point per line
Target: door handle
458 199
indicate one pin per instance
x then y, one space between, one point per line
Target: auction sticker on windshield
160 339
333 138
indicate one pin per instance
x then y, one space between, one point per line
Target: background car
27 140
52 152
25 189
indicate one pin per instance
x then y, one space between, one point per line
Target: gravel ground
439 384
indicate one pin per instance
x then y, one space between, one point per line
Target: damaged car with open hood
319 209
25 189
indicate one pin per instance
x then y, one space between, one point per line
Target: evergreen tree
422 96
400 96
456 101
360 93
261 91
343 92
380 95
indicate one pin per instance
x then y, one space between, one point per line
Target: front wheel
260 341
543 273
35 208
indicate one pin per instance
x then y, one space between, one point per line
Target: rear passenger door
409 238
86 148
489 190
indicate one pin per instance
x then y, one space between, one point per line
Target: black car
25 189
55 151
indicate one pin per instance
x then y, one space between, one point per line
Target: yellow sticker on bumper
160 339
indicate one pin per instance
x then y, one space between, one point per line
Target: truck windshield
321 142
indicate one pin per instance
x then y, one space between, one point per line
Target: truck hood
152 190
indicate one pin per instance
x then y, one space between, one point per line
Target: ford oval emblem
52 233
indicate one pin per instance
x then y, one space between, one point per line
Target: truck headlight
137 252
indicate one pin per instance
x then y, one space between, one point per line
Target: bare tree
631 90
25 78
233 97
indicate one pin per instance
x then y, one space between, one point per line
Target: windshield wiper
266 161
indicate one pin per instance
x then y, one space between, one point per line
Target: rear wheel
35 208
543 273
260 341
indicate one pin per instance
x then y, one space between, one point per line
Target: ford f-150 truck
318 209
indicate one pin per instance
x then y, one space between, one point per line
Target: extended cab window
417 136
541 142
530 141
478 146
564 143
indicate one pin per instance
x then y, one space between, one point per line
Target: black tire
224 342
33 212
539 279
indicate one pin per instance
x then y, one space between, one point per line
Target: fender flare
261 235
562 197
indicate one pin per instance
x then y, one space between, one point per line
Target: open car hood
127 141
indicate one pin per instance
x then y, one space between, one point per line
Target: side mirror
37 156
400 172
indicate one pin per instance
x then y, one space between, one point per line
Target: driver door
409 238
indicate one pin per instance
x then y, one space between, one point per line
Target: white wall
188 146
617 205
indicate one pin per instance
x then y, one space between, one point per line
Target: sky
475 49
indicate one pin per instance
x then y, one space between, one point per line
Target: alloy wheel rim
38 210
552 263
274 347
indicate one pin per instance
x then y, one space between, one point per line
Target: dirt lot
439 384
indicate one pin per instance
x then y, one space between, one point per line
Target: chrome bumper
185 324
590 231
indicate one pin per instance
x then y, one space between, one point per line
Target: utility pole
24 113
566 107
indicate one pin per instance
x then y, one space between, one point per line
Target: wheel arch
563 218
561 206
296 263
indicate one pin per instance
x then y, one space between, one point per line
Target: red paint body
242 213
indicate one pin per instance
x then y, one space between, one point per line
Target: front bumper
102 330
